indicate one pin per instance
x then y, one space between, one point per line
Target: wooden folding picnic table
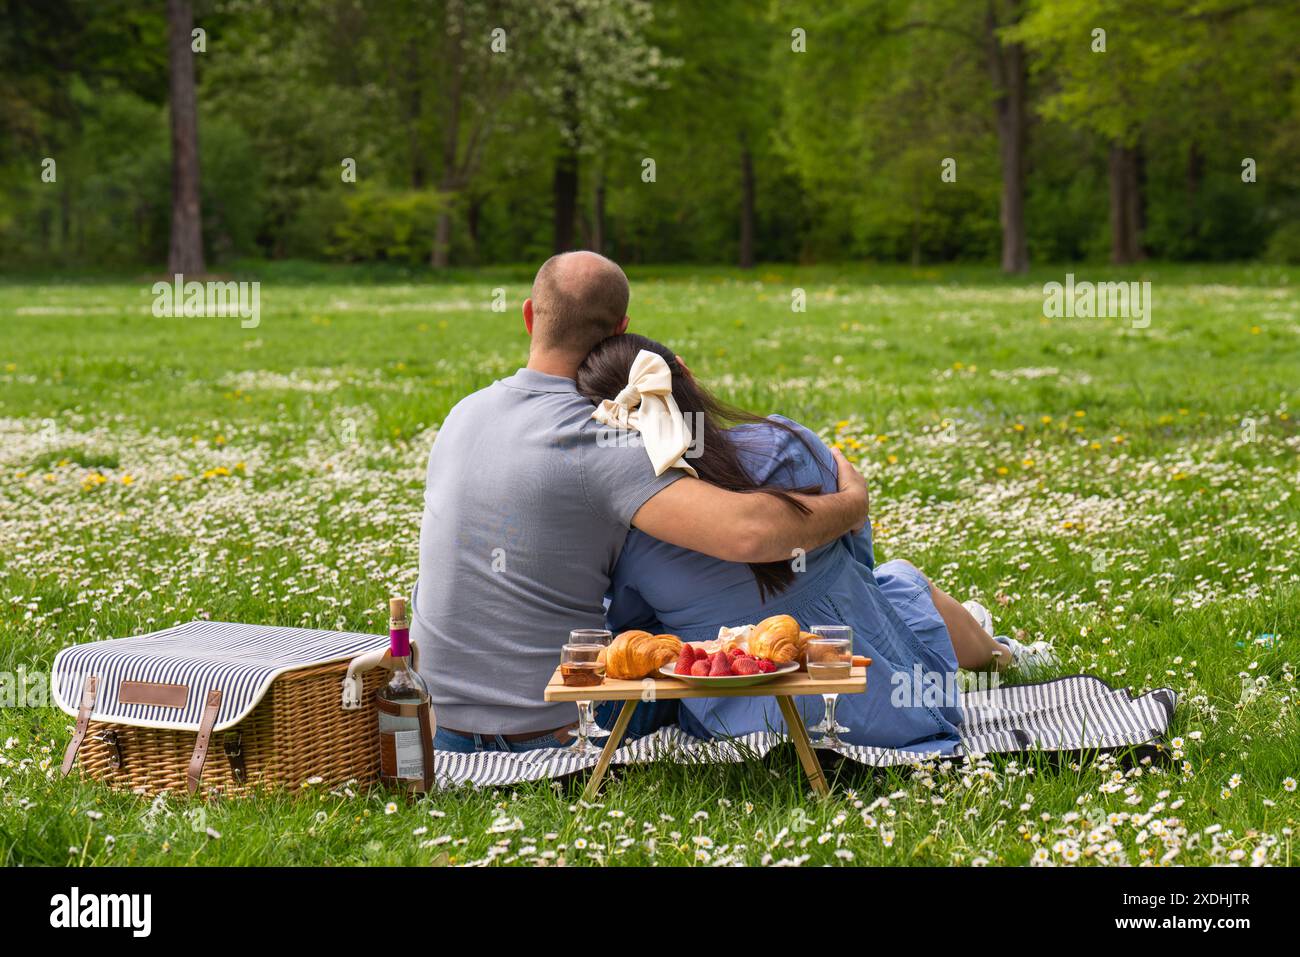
783 688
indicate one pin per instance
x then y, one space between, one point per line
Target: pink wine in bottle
404 741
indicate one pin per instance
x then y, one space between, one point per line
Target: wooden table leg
607 752
799 735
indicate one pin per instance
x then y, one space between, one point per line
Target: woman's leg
974 646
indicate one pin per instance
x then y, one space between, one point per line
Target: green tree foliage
489 130
1185 91
884 96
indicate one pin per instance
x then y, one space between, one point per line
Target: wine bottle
404 740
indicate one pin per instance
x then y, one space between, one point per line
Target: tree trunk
65 217
413 108
598 212
1007 64
473 219
566 198
450 180
186 252
1195 170
440 256
746 206
1195 178
1125 205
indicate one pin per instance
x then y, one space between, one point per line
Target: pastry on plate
639 654
777 638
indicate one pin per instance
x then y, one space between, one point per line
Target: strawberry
745 666
720 668
685 661
766 666
700 669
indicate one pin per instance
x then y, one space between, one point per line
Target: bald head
578 299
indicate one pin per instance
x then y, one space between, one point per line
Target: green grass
1128 493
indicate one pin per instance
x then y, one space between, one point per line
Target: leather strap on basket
426 745
200 754
88 693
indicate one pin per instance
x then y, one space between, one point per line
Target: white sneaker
1033 659
980 614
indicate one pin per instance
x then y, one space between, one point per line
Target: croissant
638 654
777 638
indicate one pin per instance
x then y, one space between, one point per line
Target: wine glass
587 726
830 658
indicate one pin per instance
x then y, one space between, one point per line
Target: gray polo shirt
524 517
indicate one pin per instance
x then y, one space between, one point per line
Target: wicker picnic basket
223 707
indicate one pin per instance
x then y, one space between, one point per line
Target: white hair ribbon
646 405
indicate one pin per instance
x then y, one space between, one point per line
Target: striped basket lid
199 656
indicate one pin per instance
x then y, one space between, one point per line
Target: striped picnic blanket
1068 714
1080 712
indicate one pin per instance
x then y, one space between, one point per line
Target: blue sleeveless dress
910 702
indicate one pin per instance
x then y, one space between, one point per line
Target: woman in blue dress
915 634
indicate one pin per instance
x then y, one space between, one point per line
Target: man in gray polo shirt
525 515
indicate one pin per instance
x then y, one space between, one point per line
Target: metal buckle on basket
234 748
111 739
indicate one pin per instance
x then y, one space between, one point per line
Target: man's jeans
648 717
454 743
